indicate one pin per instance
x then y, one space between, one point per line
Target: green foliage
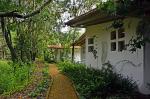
141 39
14 76
32 35
108 6
117 24
7 5
119 7
44 84
48 57
42 87
123 7
92 83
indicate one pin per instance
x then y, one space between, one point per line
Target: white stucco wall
125 62
77 55
58 56
83 48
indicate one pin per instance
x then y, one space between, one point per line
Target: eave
92 17
80 41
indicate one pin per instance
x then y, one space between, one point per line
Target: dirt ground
62 87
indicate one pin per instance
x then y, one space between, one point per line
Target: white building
59 52
101 44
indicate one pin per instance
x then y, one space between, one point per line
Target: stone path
61 87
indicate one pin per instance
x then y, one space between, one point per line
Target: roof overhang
92 17
80 41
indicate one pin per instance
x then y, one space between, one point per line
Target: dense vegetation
28 80
28 27
14 80
92 83
43 86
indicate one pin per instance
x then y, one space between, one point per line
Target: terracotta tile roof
55 46
60 47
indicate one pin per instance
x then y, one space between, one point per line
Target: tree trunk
21 55
33 55
73 51
7 37
3 56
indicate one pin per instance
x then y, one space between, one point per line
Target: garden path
61 87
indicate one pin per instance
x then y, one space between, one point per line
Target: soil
61 88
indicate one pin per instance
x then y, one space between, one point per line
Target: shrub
48 57
14 76
92 83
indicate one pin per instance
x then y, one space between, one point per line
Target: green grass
14 77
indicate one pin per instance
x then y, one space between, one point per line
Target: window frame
113 49
90 44
124 47
113 35
117 40
121 33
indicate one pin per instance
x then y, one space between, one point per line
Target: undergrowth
43 85
92 83
14 76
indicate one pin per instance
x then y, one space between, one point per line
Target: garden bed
36 87
100 84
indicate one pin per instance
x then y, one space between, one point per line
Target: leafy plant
43 85
10 80
48 56
91 83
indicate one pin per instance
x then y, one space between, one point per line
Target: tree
76 8
8 14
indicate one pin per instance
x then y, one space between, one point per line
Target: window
113 35
121 33
113 46
90 44
90 41
118 42
121 46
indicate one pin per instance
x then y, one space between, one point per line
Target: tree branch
17 15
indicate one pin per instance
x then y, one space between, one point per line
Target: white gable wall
125 62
